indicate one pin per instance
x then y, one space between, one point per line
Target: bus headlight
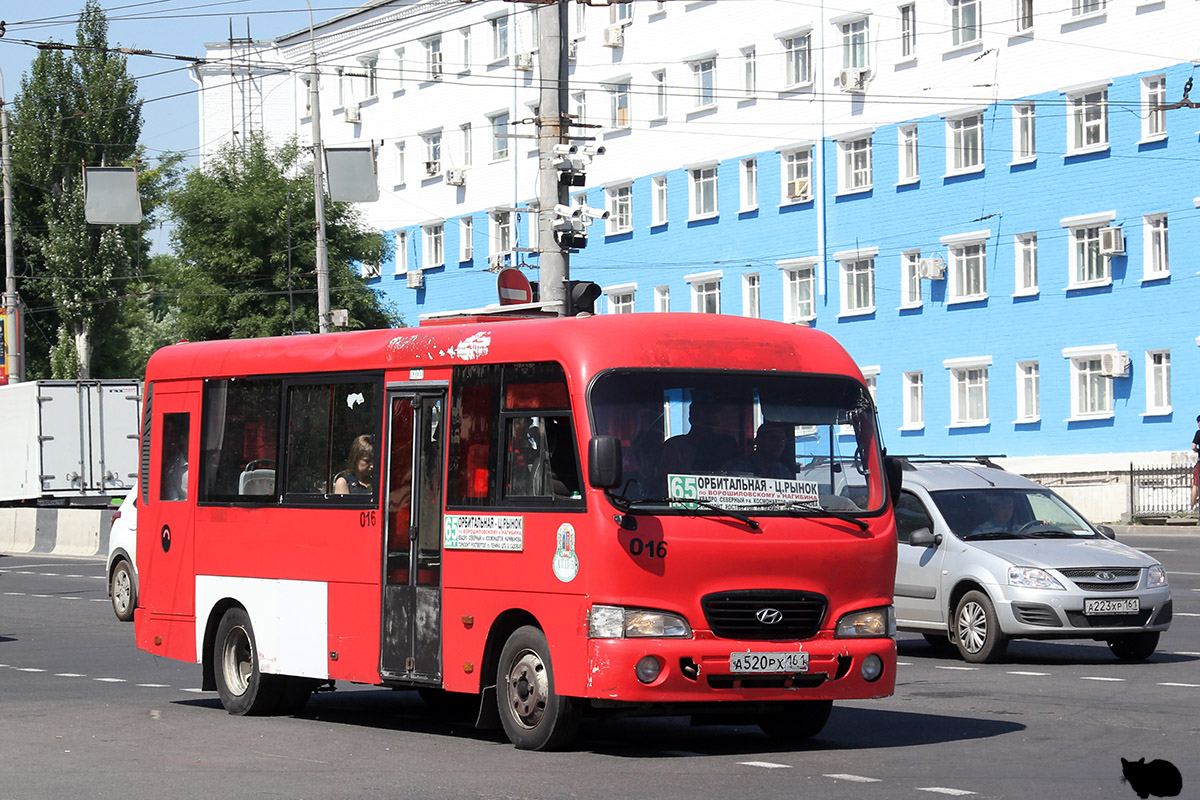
871 623
616 622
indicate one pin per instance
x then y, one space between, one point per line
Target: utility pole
12 342
552 74
323 321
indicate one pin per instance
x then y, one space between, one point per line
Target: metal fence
1155 491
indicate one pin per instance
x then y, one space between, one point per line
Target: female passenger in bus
359 475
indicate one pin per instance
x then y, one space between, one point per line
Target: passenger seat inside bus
256 480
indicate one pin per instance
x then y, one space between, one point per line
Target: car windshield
703 442
996 513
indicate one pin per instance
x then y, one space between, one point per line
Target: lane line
110 680
69 675
1094 678
1032 674
944 790
1182 685
853 778
961 669
154 685
765 764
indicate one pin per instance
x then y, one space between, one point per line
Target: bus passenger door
412 591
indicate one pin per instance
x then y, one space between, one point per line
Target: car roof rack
984 460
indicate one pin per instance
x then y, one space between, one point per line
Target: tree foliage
235 222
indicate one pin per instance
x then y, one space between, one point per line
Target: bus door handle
412 533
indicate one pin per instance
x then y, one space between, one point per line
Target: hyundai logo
1104 576
768 616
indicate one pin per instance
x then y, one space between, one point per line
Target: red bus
562 518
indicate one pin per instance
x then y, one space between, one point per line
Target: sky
171 27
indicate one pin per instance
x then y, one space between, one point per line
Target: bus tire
533 716
124 598
802 719
244 690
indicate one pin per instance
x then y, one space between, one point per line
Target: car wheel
243 689
1134 646
796 720
977 633
124 599
534 717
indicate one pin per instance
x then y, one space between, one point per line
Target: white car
122 558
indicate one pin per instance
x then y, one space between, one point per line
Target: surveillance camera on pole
593 213
570 227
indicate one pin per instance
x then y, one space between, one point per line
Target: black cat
1159 778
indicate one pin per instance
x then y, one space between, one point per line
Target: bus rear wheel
534 717
243 689
796 720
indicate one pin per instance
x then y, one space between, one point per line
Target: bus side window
173 478
240 434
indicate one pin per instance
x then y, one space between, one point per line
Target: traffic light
580 297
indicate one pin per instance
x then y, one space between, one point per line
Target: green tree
234 222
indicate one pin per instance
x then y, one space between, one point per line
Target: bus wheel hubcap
528 689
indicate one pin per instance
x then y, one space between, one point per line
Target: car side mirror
893 469
923 537
604 462
1107 532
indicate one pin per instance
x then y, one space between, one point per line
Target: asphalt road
84 714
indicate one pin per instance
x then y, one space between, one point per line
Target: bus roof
585 345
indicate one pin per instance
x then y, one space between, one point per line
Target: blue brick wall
1131 179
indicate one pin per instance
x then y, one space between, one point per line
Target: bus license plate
1109 605
768 662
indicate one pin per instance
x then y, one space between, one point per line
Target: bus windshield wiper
677 502
812 510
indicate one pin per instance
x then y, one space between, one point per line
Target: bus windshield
767 442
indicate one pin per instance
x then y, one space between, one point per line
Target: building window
398 164
749 72
400 245
1028 387
370 67
966 143
502 232
704 192
858 284
662 299
466 232
908 30
704 75
1089 121
797 175
620 13
1026 247
402 73
499 135
914 401
1091 389
1088 267
465 130
749 184
499 38
750 295
618 94
466 49
706 292
1156 264
579 100
620 298
433 153
964 21
855 41
910 276
433 58
339 82
658 199
433 251
968 391
1080 8
797 59
968 272
1024 15
910 166
799 290
1158 382
620 209
1024 134
856 164
1154 92
659 79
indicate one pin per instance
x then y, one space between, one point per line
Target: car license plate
768 662
1111 605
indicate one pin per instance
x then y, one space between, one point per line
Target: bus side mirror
893 469
604 462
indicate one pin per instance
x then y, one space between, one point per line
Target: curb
55 531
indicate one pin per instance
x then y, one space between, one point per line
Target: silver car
986 556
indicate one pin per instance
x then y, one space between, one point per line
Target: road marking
1186 614
70 598
1185 653
14 594
1183 685
854 778
69 675
961 669
154 685
1092 678
765 764
944 790
193 691
28 669
110 680
903 663
1031 674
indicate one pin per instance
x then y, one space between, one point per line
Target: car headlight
1033 578
1156 576
871 623
615 622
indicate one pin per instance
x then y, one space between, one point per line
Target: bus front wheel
243 689
534 717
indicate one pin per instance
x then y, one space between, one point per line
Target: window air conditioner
433 168
932 269
499 260
416 278
854 79
799 189
353 113
614 36
1112 241
1114 364
524 62
456 177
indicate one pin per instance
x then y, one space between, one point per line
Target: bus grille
735 615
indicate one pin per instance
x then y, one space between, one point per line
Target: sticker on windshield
735 492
